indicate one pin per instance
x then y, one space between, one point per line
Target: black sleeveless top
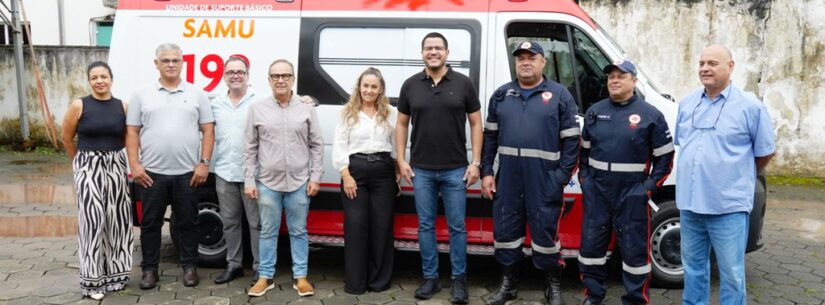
102 125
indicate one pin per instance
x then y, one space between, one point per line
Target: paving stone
399 303
53 290
374 298
305 301
192 294
341 300
156 297
176 302
29 300
25 275
212 301
281 297
13 293
64 298
119 299
173 286
45 266
434 302
85 301
227 292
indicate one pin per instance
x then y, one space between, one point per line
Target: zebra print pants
104 224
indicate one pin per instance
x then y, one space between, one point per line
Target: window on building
7 35
103 33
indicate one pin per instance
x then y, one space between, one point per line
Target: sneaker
427 289
458 290
97 296
303 286
261 287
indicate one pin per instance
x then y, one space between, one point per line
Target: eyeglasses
712 127
231 73
167 61
285 77
434 48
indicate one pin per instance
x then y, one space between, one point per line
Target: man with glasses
725 138
531 126
230 112
169 140
438 101
283 164
623 137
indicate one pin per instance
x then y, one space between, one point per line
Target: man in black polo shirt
439 101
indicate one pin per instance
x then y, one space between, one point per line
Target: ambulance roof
552 6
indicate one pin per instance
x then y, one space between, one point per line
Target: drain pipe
18 63
60 22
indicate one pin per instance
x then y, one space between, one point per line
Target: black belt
379 156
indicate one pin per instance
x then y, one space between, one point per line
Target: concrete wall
45 26
63 71
779 50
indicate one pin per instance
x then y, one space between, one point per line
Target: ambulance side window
335 51
581 73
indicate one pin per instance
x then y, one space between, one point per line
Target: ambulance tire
212 245
665 246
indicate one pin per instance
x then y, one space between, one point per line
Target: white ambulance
331 42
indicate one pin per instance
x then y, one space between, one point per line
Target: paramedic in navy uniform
531 125
623 136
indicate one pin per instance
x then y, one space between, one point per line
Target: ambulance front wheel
665 246
212 245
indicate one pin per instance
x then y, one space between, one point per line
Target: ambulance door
334 52
573 60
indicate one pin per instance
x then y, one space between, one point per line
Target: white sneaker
97 296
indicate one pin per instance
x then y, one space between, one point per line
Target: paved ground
790 269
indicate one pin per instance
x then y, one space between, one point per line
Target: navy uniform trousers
528 193
612 201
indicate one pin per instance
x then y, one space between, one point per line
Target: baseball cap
623 65
529 46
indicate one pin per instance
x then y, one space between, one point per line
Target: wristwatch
476 163
205 162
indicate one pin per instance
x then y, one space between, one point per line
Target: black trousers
175 190
368 224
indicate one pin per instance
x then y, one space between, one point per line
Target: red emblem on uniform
546 96
634 120
525 45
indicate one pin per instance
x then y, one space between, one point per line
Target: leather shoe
148 279
190 277
228 275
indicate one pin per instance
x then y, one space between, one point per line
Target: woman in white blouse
363 153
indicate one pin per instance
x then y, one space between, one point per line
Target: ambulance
331 42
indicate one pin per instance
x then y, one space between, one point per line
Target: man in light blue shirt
230 111
726 137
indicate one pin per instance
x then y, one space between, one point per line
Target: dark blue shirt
102 125
626 138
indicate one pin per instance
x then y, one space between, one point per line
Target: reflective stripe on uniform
586 144
642 270
592 261
538 153
490 126
569 132
617 167
545 250
508 244
529 152
510 151
667 148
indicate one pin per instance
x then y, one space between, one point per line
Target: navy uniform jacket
542 125
627 137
